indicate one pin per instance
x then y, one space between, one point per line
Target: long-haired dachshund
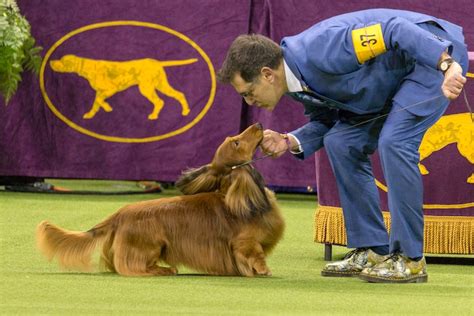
226 223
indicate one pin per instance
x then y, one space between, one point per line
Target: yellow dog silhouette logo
454 128
109 77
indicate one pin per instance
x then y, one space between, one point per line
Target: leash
468 105
358 124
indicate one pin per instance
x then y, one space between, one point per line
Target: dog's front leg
99 103
250 258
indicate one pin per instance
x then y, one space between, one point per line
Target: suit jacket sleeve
337 49
311 135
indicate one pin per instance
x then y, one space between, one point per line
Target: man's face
263 92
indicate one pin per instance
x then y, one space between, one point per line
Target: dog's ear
246 195
197 180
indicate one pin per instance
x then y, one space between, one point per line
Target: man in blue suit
401 66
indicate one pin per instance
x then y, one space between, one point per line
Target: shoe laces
394 257
354 252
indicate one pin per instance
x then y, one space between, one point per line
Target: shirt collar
294 85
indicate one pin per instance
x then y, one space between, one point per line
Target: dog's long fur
226 223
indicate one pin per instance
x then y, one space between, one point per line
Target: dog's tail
169 63
72 249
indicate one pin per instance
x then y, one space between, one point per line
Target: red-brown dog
226 223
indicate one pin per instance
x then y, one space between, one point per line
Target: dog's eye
236 143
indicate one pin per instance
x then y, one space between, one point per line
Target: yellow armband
368 42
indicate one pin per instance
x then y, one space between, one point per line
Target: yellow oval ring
122 139
384 188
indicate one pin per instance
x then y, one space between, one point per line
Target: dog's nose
259 125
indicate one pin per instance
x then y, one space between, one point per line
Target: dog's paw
267 273
264 272
174 271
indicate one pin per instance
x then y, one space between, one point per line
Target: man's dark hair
247 55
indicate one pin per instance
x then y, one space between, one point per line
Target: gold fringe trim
443 234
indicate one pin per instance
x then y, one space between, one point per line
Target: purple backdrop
37 142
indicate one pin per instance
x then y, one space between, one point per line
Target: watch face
443 66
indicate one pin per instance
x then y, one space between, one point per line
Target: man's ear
267 74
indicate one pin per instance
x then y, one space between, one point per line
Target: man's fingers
458 85
273 148
448 94
454 90
266 141
453 82
458 81
273 143
461 79
267 132
452 87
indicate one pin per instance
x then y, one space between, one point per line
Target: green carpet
31 285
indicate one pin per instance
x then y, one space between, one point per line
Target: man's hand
273 143
453 82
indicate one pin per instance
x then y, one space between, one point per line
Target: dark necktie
308 98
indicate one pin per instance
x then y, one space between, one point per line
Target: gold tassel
443 234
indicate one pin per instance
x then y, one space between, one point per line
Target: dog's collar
247 163
250 161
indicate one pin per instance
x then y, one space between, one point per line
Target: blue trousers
398 139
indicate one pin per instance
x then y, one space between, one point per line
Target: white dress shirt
294 85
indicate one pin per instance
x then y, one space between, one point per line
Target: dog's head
68 63
238 149
243 186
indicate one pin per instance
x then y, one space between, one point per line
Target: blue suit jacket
325 60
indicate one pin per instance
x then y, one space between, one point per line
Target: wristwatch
445 64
